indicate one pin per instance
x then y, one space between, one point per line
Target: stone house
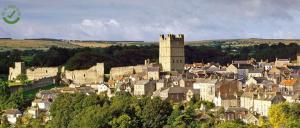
187 82
251 119
241 70
207 88
41 104
144 87
264 101
12 115
33 112
247 100
257 72
226 93
176 93
235 113
160 84
282 62
288 85
255 80
153 73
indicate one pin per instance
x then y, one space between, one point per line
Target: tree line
82 58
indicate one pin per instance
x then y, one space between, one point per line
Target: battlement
172 37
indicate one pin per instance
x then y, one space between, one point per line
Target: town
243 90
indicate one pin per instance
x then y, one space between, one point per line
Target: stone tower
17 70
171 52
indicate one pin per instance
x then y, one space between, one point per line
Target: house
41 104
176 93
255 80
247 100
241 70
102 88
12 115
226 93
282 62
257 72
288 85
153 73
235 113
250 119
144 87
187 83
160 84
206 88
33 112
264 101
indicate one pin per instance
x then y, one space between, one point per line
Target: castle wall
34 73
93 75
40 73
127 70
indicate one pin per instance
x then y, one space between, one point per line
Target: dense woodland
126 111
82 58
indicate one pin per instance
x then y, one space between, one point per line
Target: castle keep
171 52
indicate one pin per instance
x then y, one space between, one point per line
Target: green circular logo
11 14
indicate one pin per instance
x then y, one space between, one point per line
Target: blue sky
147 19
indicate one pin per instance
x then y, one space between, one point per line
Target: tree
231 124
123 121
22 78
277 115
155 113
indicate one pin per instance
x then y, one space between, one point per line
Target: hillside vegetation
243 42
8 44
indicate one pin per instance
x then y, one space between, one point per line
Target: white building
206 88
12 115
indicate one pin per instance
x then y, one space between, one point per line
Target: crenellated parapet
173 37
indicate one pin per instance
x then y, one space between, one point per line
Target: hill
243 42
9 44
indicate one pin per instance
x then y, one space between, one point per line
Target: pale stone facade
207 88
144 87
17 70
93 75
171 52
39 73
127 70
33 73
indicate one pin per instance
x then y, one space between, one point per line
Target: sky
146 19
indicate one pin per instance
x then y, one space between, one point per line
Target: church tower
171 52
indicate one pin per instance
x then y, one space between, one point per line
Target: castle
171 52
33 73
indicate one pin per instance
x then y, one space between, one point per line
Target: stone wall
35 84
33 73
93 75
127 70
39 73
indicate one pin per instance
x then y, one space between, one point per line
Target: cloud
145 20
